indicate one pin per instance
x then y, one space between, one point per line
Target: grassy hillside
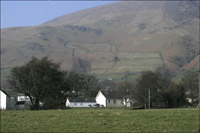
178 77
101 120
119 38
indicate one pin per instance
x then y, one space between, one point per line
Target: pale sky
30 13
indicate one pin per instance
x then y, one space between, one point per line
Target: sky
31 13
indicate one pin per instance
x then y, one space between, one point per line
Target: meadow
129 61
101 120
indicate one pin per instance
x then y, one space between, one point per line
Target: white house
110 99
113 99
80 102
6 101
3 98
13 100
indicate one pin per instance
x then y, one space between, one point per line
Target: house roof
112 94
10 93
82 100
4 92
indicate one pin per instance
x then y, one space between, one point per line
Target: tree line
159 91
44 81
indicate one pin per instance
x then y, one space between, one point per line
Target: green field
101 120
129 61
139 55
178 77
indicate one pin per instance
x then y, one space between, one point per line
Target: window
81 104
114 101
74 103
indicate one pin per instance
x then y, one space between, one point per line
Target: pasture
101 120
128 61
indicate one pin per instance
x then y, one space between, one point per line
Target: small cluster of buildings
13 101
109 99
103 99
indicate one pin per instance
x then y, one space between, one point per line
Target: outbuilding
80 102
6 101
3 98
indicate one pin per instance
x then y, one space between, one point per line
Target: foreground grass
101 120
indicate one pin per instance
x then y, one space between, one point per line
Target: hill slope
119 38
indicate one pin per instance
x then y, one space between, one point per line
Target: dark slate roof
10 93
112 94
82 99
4 92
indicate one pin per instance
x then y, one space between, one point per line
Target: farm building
22 102
113 99
80 102
130 102
110 99
13 100
6 101
3 96
21 97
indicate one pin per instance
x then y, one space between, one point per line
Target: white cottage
80 102
6 101
13 100
110 99
3 98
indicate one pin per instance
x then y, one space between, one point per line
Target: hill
116 39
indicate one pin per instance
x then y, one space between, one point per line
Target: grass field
131 61
140 55
101 120
179 77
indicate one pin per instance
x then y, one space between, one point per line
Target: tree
37 79
116 59
56 98
108 84
80 85
127 89
81 65
74 85
174 95
190 83
165 72
75 81
150 82
92 86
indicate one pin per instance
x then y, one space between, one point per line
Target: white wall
127 102
3 100
80 104
67 103
23 98
115 103
100 99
